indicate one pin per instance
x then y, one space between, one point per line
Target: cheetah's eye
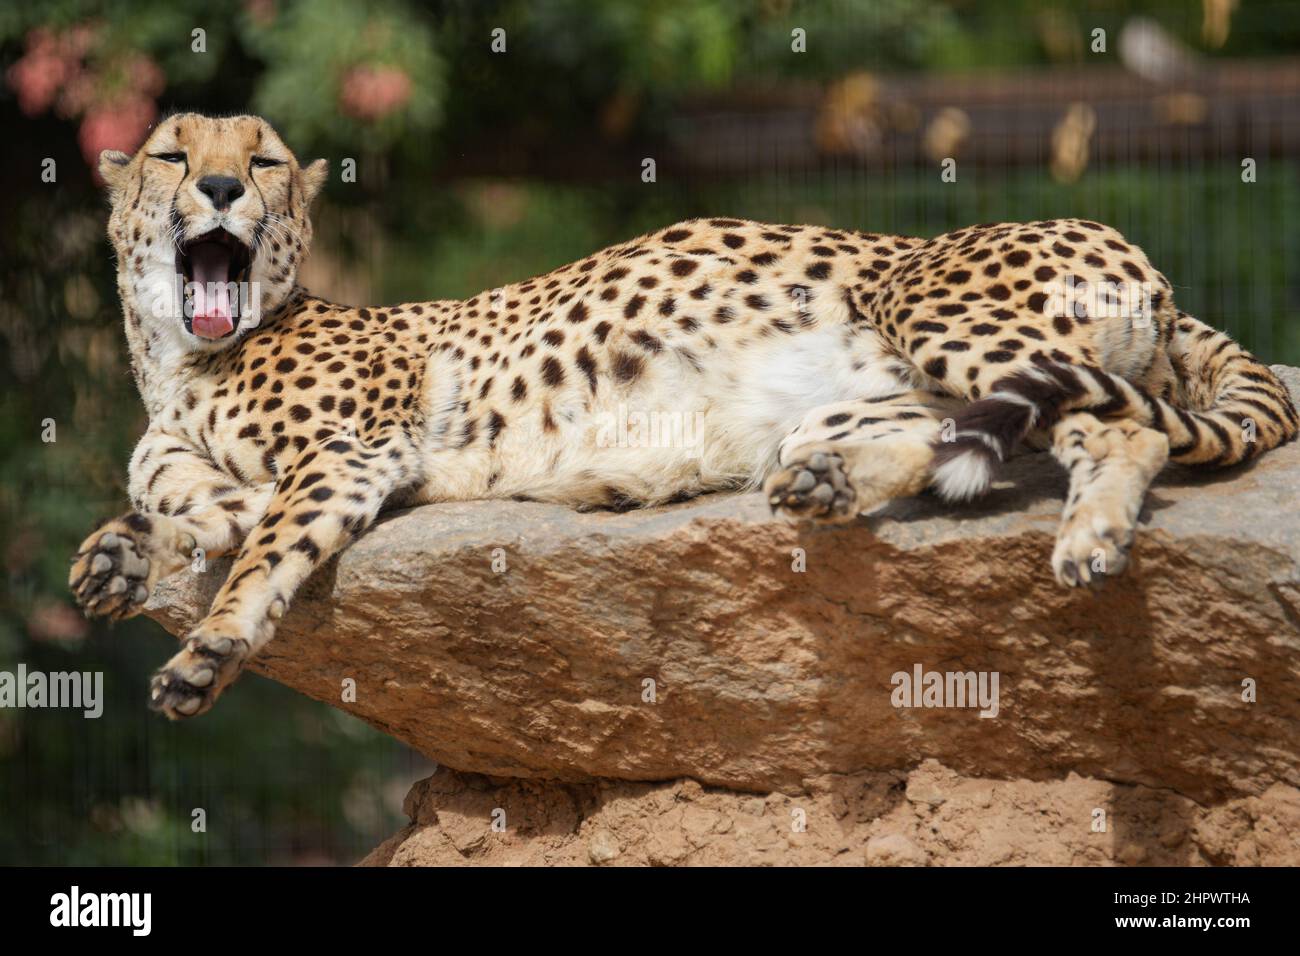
169 157
265 162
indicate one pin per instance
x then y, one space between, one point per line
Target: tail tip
963 473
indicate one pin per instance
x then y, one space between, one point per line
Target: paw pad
109 576
192 680
816 487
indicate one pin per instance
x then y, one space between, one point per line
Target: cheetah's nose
222 190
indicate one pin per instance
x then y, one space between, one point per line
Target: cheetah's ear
114 169
314 176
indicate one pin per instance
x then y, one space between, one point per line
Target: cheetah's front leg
328 494
183 504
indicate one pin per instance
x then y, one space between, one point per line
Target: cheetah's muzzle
214 266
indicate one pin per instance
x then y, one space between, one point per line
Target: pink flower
121 124
370 93
144 76
53 62
79 92
37 77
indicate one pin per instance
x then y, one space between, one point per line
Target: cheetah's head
210 225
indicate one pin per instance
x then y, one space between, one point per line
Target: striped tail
1229 407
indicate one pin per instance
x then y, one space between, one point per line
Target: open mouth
215 266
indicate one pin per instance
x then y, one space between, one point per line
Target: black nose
222 190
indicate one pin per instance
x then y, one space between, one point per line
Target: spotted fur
836 368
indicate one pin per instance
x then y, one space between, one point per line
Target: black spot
308 547
587 365
937 367
647 341
626 366
552 372
495 423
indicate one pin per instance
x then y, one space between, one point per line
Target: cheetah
833 369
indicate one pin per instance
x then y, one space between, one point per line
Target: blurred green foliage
404 86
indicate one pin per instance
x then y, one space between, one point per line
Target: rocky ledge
705 657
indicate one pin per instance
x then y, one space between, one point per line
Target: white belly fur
677 430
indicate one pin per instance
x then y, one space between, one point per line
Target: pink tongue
211 262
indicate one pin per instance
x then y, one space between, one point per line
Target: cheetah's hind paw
813 487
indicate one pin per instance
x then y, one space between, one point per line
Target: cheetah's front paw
814 486
112 575
190 683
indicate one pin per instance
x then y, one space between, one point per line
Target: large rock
709 641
